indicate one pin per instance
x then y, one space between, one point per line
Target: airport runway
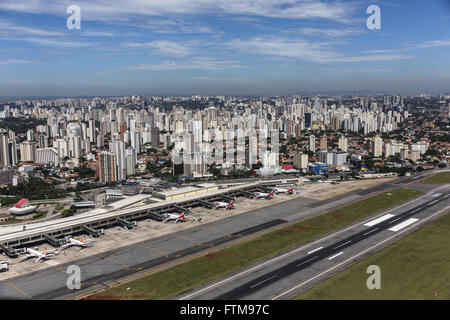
103 270
285 276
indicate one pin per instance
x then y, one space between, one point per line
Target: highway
286 276
105 269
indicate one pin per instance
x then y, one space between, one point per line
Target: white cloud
432 44
320 52
199 63
336 32
97 33
102 9
15 61
164 47
56 43
7 27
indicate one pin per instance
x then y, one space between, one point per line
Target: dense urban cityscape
77 144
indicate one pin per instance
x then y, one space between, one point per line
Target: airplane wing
26 258
52 252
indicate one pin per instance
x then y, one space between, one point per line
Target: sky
223 47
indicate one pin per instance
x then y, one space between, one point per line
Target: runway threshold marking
336 255
379 220
403 224
20 290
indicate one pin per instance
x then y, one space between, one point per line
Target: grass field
440 178
177 279
415 267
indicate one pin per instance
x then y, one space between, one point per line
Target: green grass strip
440 178
415 267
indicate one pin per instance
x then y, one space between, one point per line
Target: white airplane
83 243
174 217
259 195
286 191
44 255
224 205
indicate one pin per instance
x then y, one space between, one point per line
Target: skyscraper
312 143
323 143
117 147
107 167
377 147
343 141
4 149
155 136
27 151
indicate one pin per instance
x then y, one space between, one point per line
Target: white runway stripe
403 224
336 255
315 250
379 220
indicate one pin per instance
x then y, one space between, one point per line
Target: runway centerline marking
394 220
341 245
307 261
272 277
365 234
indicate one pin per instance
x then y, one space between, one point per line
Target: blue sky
223 47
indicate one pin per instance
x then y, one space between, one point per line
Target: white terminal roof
13 232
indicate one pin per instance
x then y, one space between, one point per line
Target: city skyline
272 47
